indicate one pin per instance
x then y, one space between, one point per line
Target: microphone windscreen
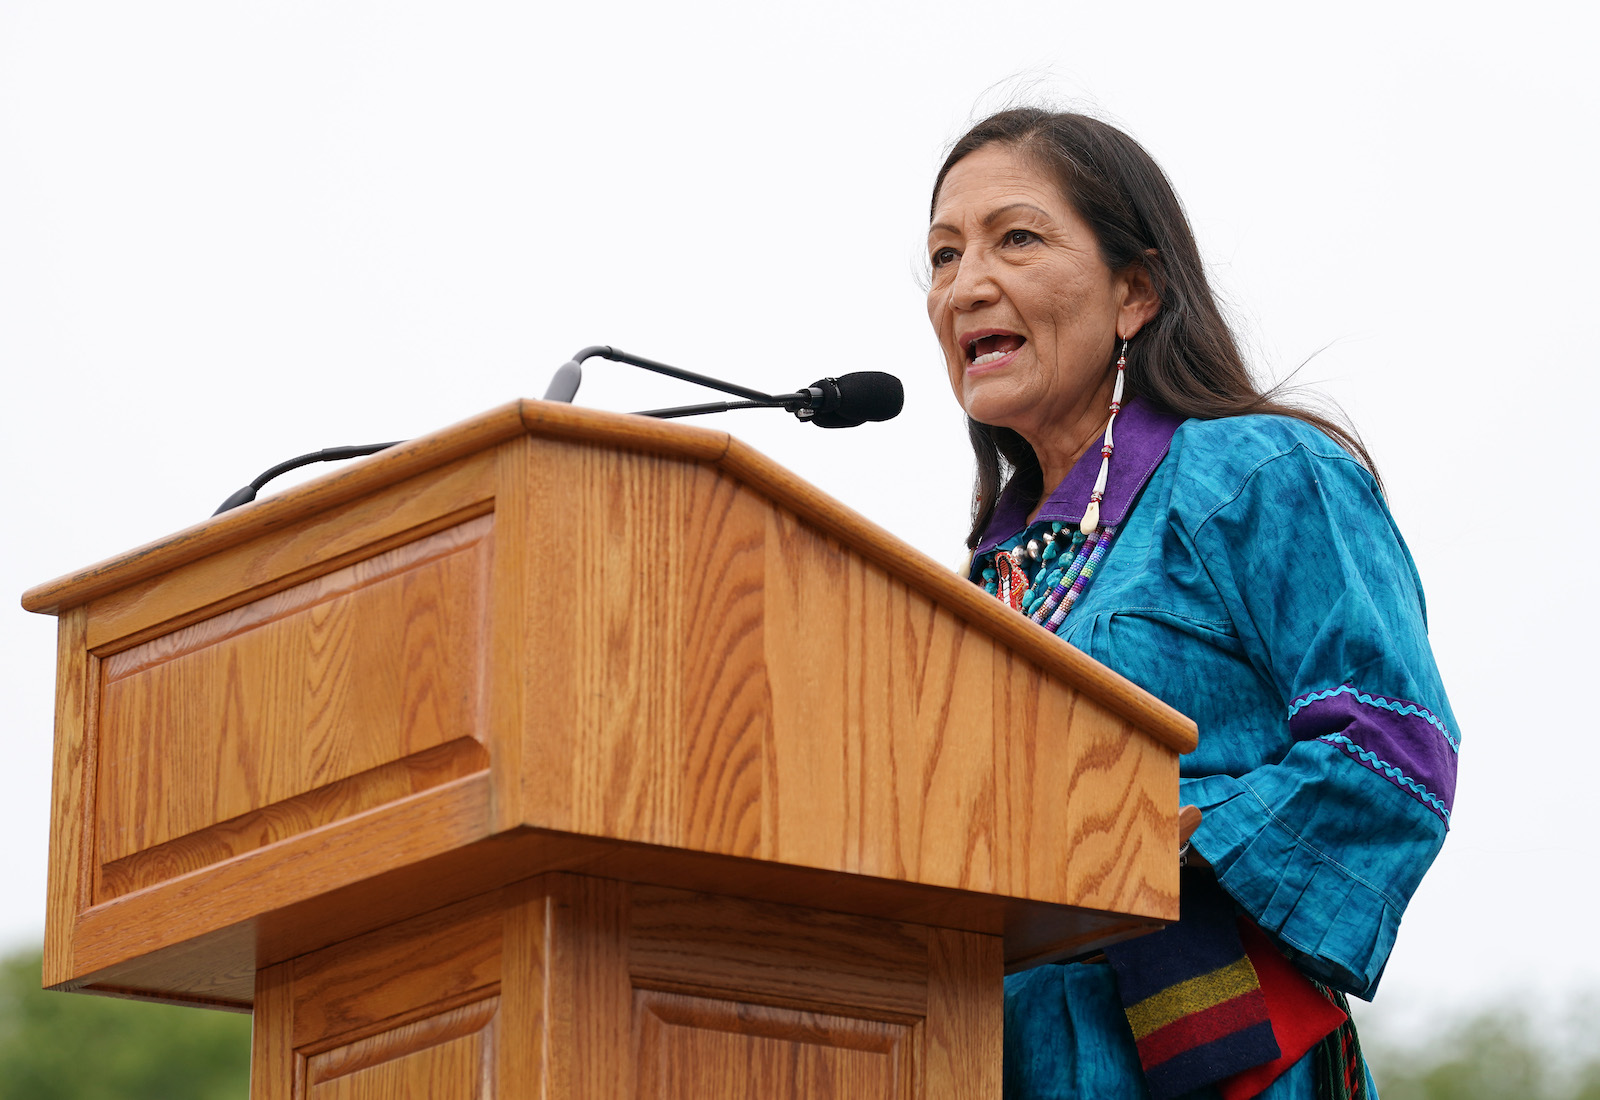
862 396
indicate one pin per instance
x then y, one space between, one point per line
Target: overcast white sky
232 232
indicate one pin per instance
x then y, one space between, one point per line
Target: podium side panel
1089 814
902 744
320 701
71 771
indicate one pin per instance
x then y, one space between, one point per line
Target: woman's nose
974 284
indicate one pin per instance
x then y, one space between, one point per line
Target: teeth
989 358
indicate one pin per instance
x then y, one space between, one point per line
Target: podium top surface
629 433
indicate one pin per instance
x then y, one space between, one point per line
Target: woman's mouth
992 348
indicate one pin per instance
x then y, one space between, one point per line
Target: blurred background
232 232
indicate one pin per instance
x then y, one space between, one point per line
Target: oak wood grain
728 706
965 1008
623 431
215 968
242 603
684 666
1100 798
953 594
527 1057
590 992
511 701
573 755
755 687
694 1048
780 954
290 816
405 971
448 1055
411 1009
625 637
273 1065
205 589
544 689
643 435
315 684
71 867
566 987
411 830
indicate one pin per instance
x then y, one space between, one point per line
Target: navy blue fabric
1211 1062
1207 937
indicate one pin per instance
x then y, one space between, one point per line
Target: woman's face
1025 309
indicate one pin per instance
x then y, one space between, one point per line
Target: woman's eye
942 256
1021 236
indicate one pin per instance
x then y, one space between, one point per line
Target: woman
1230 554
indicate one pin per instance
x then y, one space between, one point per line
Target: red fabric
1198 1028
1301 1017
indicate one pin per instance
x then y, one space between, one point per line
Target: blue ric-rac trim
1397 706
1383 767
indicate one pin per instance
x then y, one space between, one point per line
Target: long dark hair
1185 359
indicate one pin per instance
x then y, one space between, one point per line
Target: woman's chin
995 410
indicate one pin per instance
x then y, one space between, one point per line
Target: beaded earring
1077 555
1091 514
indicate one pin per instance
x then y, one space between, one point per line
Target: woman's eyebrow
991 217
995 215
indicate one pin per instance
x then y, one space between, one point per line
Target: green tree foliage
1496 1055
69 1046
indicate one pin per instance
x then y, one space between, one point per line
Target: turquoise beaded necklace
1066 563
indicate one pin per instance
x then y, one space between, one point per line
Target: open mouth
992 348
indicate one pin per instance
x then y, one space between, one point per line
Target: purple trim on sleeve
1403 740
1378 766
1142 436
1399 706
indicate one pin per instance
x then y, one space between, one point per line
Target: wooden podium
579 756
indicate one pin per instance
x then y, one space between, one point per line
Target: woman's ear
1140 299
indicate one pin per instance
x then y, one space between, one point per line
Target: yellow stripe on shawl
1194 995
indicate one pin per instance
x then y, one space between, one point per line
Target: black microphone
844 402
853 399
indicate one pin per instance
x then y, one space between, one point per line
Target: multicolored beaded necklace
1067 559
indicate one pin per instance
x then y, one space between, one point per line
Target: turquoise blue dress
1257 582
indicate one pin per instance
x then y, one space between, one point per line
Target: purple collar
1142 436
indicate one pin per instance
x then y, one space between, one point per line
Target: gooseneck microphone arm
327 454
843 402
564 386
792 402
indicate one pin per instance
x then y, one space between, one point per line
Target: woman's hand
1188 822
